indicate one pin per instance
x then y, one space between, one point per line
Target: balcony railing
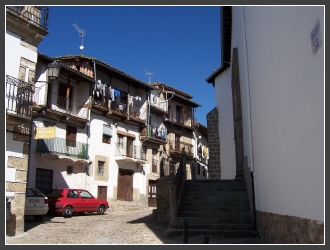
186 121
62 147
176 146
162 105
138 112
19 96
63 105
154 131
37 14
135 152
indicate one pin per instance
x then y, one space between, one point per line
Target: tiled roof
160 85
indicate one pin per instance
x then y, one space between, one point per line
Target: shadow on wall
10 219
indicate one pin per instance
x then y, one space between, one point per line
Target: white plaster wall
226 125
14 52
286 84
13 148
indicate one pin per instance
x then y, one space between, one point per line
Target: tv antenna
149 75
82 33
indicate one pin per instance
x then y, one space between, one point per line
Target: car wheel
100 209
38 217
67 212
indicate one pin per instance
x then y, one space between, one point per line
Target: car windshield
33 193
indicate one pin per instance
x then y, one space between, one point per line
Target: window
107 134
69 170
144 153
63 92
129 148
49 124
154 160
71 135
85 194
73 194
44 179
179 115
120 141
100 168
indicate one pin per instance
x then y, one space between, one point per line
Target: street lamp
53 70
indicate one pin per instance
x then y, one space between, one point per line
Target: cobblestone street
115 227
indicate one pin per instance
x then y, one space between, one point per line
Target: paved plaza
115 227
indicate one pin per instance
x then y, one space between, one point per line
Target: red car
67 201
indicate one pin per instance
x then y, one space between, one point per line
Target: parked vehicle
67 201
36 204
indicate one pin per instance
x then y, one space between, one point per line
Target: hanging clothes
112 94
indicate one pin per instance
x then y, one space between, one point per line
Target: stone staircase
217 208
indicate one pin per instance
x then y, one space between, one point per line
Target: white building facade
276 56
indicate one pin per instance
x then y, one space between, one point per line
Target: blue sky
179 45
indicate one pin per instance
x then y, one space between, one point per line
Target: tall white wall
282 89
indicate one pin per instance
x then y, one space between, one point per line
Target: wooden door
125 185
152 199
102 192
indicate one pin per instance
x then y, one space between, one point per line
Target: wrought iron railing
19 96
62 147
135 152
37 14
176 146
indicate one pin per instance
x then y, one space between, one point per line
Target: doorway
125 185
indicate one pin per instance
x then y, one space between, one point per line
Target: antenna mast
82 33
149 75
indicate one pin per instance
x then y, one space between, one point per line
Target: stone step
212 220
206 214
221 200
214 189
203 193
127 205
213 233
214 208
214 184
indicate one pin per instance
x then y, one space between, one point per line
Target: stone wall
15 221
283 229
162 194
214 167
